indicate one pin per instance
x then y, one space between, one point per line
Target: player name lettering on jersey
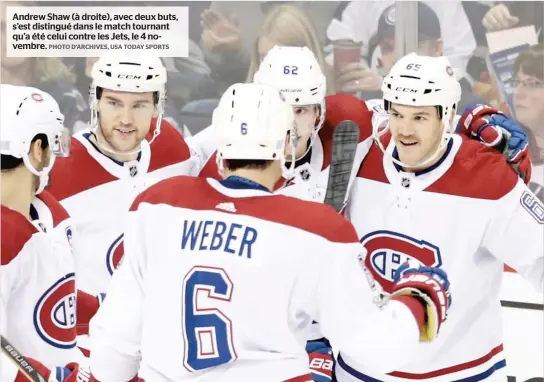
211 235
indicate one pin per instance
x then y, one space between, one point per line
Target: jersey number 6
207 332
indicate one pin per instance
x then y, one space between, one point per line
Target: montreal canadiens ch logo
55 314
115 254
388 250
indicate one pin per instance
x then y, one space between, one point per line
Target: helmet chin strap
289 172
42 175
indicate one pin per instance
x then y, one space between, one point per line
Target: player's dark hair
99 94
236 164
9 162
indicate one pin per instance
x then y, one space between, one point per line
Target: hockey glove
321 359
431 287
58 374
494 129
78 373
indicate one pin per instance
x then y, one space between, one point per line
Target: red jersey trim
301 378
311 217
58 212
80 171
451 369
16 232
169 148
477 172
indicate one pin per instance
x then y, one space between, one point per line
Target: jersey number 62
207 332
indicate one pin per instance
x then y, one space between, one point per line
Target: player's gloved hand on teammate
491 127
431 287
78 373
58 374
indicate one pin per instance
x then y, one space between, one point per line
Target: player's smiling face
125 118
417 132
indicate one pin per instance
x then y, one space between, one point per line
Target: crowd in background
354 42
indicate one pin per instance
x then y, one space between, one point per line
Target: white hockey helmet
129 72
252 122
25 113
422 81
297 74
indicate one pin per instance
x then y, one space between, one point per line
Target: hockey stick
22 364
344 146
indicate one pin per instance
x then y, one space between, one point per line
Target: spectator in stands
356 77
285 24
529 97
48 74
429 36
290 26
360 21
511 14
230 27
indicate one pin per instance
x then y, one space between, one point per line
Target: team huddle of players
129 253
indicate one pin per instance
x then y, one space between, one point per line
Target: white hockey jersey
98 191
38 289
222 283
468 214
523 311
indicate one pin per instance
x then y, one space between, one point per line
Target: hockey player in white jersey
428 195
38 290
127 148
296 72
197 296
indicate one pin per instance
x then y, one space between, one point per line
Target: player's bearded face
417 132
305 118
125 118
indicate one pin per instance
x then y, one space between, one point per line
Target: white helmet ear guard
421 81
133 73
296 72
26 113
252 122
